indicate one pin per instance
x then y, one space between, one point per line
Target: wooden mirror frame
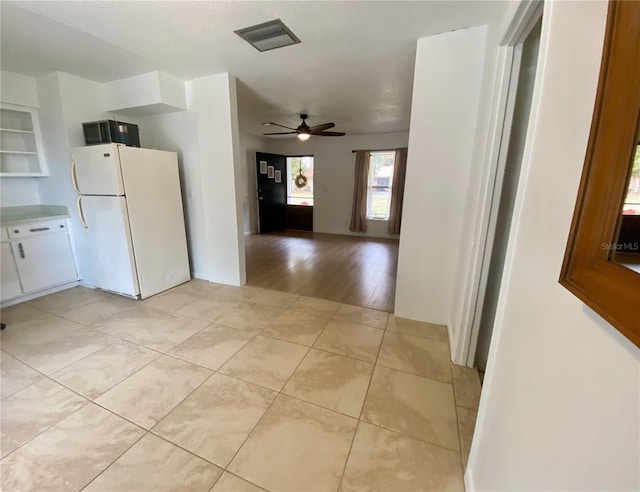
610 289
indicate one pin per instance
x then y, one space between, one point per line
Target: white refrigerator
130 205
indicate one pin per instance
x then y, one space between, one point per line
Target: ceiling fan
304 131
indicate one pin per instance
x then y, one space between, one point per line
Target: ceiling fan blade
329 134
324 126
282 126
280 133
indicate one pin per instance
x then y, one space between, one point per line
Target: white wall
208 144
561 402
21 90
334 176
149 93
18 191
177 132
216 113
444 110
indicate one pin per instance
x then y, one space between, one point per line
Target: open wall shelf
21 153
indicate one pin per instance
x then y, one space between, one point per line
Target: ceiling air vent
268 36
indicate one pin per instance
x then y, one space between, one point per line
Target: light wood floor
347 269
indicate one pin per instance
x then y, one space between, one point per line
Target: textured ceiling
354 65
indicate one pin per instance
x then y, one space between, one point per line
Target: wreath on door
301 179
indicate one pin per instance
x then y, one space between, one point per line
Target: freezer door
95 170
110 244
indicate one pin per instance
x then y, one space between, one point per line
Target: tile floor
215 388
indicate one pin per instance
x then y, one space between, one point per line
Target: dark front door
272 192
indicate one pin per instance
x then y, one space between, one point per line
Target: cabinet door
44 261
10 287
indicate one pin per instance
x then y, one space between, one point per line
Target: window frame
370 187
288 181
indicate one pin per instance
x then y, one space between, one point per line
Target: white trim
460 349
487 387
469 484
516 27
490 219
521 23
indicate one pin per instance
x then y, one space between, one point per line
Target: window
300 180
632 200
380 182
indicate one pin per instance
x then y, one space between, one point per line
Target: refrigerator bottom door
112 256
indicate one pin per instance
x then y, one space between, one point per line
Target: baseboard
88 285
35 295
469 485
360 234
250 233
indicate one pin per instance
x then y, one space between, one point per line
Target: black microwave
111 131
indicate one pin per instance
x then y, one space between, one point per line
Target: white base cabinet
10 287
44 261
35 257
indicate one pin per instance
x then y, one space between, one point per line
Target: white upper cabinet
21 152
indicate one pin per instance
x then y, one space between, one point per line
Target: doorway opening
285 192
510 157
288 256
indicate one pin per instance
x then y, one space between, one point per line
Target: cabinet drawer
35 228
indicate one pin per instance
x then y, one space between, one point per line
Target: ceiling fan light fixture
304 131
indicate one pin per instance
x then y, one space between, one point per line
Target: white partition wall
444 111
215 106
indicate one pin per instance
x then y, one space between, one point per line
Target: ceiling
354 66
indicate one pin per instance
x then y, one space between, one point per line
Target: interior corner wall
65 102
198 160
216 115
561 395
177 132
20 90
479 189
444 112
334 166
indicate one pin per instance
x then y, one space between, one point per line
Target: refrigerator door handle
81 214
74 179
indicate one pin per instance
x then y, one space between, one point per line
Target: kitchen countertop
31 213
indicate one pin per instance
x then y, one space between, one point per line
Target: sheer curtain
397 193
359 210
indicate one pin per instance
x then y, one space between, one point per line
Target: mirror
602 257
625 249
